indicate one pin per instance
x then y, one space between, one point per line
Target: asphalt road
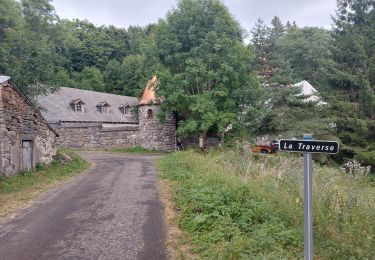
112 211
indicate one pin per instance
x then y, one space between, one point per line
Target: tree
112 76
308 51
28 48
354 52
260 42
206 66
10 17
272 68
277 30
91 78
134 75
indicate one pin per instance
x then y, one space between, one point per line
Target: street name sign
309 146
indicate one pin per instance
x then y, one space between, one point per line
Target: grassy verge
177 243
136 149
17 191
239 206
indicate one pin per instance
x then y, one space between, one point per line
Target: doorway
27 155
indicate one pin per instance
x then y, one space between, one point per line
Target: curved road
112 211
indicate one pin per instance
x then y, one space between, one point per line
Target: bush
352 139
367 158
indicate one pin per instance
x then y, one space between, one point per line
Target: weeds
239 206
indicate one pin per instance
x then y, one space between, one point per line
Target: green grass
136 149
17 191
240 206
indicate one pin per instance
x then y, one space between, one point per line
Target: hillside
209 75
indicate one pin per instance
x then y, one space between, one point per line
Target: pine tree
354 34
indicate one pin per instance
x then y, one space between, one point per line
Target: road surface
112 211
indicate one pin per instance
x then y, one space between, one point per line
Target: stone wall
20 121
153 135
94 135
212 141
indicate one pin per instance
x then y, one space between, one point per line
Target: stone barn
26 138
89 119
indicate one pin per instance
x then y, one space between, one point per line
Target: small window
126 110
79 107
150 114
105 110
104 107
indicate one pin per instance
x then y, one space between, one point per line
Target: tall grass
242 206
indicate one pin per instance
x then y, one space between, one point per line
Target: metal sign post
307 146
307 202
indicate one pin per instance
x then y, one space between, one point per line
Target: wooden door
27 155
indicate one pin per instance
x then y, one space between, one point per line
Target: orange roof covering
149 95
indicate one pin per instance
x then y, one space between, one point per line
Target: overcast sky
123 13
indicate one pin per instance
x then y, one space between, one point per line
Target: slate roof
4 78
59 108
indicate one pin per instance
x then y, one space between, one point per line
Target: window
105 110
104 107
150 114
79 106
125 110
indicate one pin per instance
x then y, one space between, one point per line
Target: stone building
89 119
152 134
26 137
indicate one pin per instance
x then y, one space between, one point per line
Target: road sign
309 146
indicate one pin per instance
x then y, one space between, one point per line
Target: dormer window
78 105
126 110
104 107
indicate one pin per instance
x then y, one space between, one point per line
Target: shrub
367 158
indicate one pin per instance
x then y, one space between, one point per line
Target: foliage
355 53
41 52
308 51
367 158
338 63
136 149
91 79
236 207
205 66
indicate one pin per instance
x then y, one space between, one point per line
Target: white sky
122 13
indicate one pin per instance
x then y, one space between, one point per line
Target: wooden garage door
27 155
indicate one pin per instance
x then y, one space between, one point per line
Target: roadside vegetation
17 191
136 149
237 205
